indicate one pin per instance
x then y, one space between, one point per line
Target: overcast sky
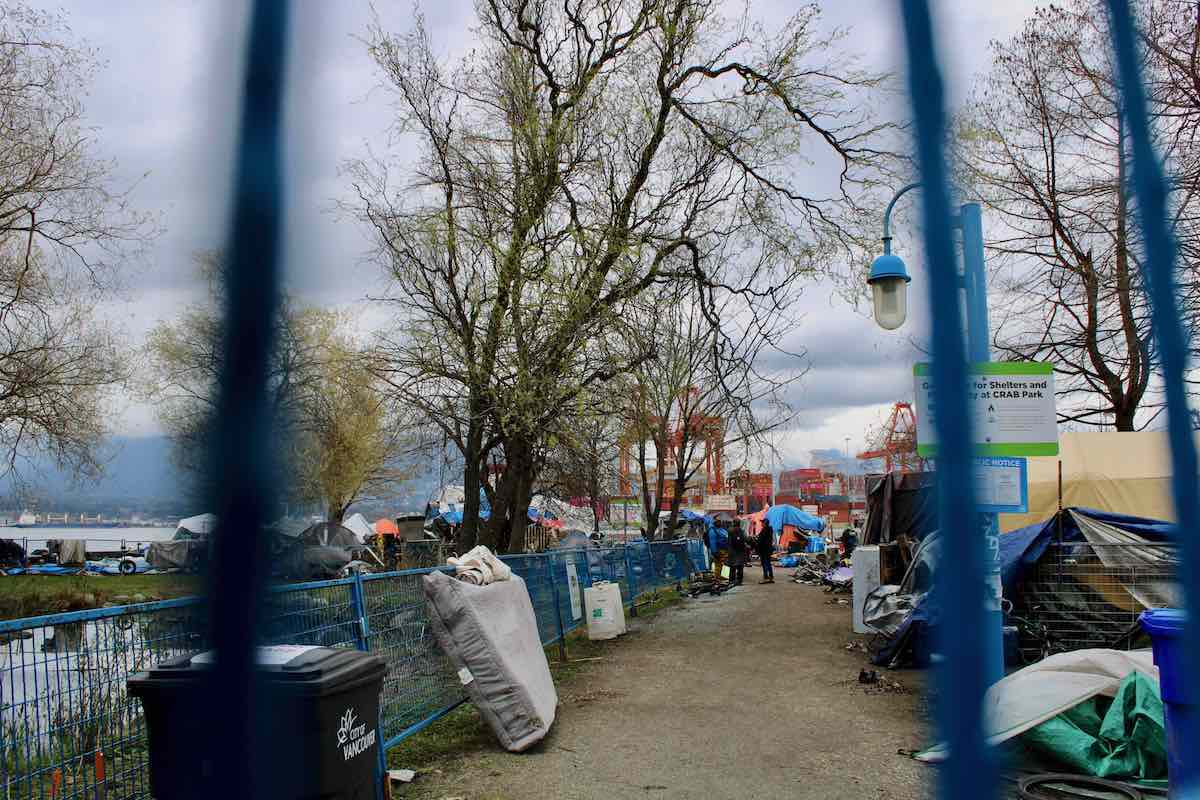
162 107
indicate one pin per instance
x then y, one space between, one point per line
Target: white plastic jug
605 614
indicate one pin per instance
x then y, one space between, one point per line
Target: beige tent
1129 473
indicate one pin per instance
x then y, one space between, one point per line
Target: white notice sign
1001 485
1011 405
576 599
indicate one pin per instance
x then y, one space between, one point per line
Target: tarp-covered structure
358 524
188 548
900 504
1127 548
1125 472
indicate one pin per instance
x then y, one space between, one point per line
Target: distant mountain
137 472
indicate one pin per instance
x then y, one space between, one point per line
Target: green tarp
1119 737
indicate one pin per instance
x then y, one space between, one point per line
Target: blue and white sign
1001 485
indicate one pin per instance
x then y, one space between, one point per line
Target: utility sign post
1012 409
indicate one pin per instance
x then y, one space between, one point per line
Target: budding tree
580 156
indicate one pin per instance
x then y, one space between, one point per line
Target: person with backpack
764 544
718 546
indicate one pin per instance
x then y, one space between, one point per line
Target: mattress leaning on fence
490 634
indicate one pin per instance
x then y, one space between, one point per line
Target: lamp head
889 289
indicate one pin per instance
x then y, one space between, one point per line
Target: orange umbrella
386 527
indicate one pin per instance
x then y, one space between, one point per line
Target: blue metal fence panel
62 676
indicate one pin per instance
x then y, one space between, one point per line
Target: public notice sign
1011 405
1001 485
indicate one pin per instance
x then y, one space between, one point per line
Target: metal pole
979 350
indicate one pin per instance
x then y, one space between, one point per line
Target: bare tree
580 156
1045 144
700 394
65 234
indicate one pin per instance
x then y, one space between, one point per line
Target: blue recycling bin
1165 626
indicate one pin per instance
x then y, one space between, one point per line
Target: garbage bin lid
1163 621
287 662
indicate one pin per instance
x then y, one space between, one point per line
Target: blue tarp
783 514
43 569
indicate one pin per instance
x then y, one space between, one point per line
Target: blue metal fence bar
1150 191
961 680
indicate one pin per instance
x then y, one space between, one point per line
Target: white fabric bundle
479 566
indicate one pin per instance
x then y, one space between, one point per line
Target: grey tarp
899 504
490 634
174 554
72 551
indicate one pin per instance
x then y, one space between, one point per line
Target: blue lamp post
889 281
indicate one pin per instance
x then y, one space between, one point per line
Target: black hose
1058 786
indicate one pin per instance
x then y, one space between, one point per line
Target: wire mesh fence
1082 594
68 728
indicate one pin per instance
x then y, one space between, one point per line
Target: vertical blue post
971 771
631 581
979 350
362 638
558 620
1150 191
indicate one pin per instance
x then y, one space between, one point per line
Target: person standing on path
739 552
718 546
765 545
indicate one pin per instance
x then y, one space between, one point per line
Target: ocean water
101 538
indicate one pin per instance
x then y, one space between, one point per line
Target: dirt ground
750 694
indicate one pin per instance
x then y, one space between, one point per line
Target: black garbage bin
324 706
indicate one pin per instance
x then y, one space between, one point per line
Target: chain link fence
68 729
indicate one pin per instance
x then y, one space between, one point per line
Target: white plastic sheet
1042 691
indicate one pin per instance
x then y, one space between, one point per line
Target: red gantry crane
706 430
896 442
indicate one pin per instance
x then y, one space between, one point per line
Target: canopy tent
386 527
1110 471
359 525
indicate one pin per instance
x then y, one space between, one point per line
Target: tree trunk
472 466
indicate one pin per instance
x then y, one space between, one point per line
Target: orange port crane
896 441
699 428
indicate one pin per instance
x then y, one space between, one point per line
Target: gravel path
751 694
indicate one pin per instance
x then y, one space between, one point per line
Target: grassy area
32 595
462 734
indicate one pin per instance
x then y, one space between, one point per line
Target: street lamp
889 290
889 282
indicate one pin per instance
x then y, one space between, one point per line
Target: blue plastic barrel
1165 626
816 544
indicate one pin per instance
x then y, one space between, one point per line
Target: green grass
33 595
462 736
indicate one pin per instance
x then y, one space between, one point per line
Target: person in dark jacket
765 546
739 552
